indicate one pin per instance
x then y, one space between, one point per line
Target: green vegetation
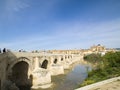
106 67
93 58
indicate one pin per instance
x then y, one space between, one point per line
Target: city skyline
59 24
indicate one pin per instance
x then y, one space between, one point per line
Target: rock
8 85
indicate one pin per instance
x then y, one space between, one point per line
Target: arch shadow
55 61
20 76
61 59
44 64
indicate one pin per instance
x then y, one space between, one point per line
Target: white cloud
15 5
10 7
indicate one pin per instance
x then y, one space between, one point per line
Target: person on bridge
4 50
0 50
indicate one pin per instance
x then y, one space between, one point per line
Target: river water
71 79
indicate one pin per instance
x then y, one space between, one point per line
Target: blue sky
59 24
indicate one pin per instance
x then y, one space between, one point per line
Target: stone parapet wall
88 87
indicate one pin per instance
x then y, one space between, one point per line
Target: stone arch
19 70
62 59
19 64
44 64
55 61
19 60
20 75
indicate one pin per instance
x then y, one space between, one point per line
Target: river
71 79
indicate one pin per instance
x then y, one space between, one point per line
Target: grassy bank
105 67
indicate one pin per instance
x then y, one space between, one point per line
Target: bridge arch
19 60
65 57
44 64
18 73
15 61
55 61
62 59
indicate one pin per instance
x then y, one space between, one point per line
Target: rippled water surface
71 79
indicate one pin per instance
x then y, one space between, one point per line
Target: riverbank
110 84
107 66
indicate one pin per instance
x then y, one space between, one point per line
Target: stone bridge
26 69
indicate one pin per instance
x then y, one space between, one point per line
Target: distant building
93 49
98 48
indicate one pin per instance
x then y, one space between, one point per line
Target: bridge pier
55 66
41 77
36 63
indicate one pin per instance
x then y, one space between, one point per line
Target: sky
59 24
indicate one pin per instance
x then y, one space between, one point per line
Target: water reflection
71 79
